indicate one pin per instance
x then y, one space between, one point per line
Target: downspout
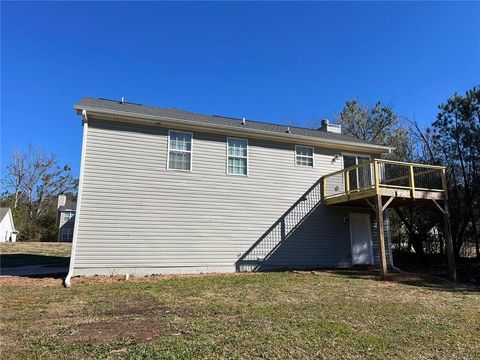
67 282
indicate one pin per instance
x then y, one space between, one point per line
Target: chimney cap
62 200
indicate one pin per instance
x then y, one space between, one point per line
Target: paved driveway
33 270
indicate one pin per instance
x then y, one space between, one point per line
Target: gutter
67 282
287 136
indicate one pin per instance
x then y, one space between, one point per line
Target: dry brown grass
37 248
347 315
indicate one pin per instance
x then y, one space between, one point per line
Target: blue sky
262 61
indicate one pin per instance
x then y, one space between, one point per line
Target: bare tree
34 177
15 176
370 124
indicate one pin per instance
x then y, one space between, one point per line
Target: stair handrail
281 221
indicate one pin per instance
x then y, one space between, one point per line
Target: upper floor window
68 215
304 156
237 154
179 150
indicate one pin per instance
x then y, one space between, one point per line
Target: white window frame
242 157
63 231
186 151
313 156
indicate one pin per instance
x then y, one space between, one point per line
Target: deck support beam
388 202
370 204
442 210
381 236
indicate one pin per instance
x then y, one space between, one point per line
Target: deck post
347 182
324 187
381 236
411 180
452 271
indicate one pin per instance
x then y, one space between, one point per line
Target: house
169 191
7 228
65 218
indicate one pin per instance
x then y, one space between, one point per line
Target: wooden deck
379 184
397 183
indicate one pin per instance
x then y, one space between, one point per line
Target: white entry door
361 238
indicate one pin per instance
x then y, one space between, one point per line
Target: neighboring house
65 218
7 227
170 191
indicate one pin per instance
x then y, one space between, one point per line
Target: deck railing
378 173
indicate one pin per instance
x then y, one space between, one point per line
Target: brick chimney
62 200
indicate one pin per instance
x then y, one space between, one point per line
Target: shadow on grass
14 260
55 275
406 278
34 265
468 269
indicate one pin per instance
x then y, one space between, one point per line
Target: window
237 154
66 234
179 150
67 215
304 156
361 177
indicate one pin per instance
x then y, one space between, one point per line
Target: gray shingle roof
3 212
69 206
113 105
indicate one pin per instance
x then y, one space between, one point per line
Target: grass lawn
34 253
320 315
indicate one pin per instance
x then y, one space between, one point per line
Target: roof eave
329 143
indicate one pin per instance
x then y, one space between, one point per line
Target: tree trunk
441 245
414 238
475 234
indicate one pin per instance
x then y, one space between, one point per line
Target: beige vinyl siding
138 217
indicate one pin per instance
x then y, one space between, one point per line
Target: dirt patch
30 281
147 278
141 318
137 329
139 305
57 281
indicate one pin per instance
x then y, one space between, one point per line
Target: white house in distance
169 191
7 228
65 218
